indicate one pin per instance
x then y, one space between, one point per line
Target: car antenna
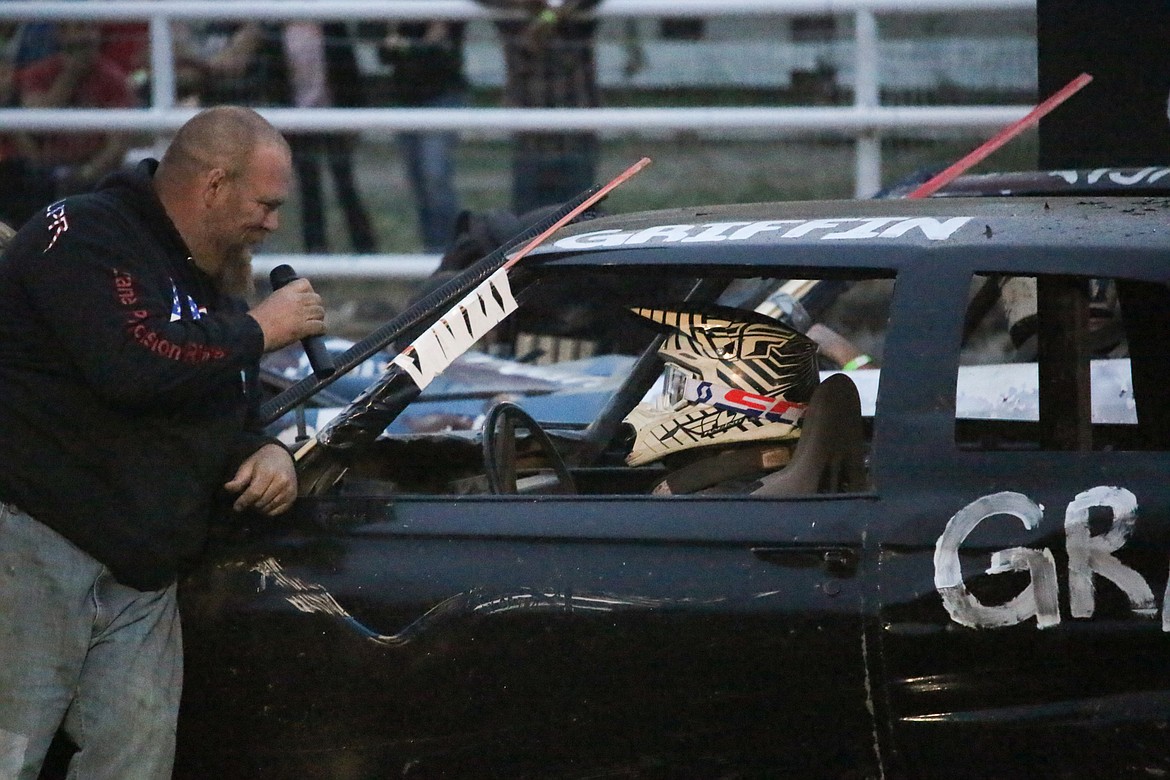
981 152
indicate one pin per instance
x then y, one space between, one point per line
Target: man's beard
235 275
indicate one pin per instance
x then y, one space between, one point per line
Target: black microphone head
281 275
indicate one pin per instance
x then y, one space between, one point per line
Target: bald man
128 388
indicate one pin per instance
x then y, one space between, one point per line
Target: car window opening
1070 363
667 384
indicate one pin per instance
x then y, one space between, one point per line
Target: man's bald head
221 137
221 181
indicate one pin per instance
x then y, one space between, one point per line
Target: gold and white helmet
731 376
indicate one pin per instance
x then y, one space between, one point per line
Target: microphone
314 346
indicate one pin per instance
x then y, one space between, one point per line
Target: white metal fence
866 120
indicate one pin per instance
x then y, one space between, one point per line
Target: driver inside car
735 386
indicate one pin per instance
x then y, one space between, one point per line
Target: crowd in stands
547 47
54 66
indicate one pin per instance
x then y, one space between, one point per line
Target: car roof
882 234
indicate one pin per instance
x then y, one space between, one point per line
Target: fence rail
468 9
866 120
851 120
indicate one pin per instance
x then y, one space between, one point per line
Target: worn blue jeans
82 651
429 158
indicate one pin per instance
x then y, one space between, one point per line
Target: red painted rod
601 193
940 180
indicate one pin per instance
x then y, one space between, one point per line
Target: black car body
986 601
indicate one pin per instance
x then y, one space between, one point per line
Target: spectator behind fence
15 200
306 64
426 61
126 44
38 168
33 41
549 63
322 71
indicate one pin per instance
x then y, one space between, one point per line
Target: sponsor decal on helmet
732 399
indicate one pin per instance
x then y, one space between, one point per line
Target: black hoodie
127 381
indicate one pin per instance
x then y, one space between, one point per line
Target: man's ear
214 182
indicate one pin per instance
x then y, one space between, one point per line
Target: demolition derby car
942 552
574 390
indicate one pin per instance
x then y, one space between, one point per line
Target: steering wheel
499 451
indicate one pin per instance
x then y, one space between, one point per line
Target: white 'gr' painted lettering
1089 555
469 320
1039 599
